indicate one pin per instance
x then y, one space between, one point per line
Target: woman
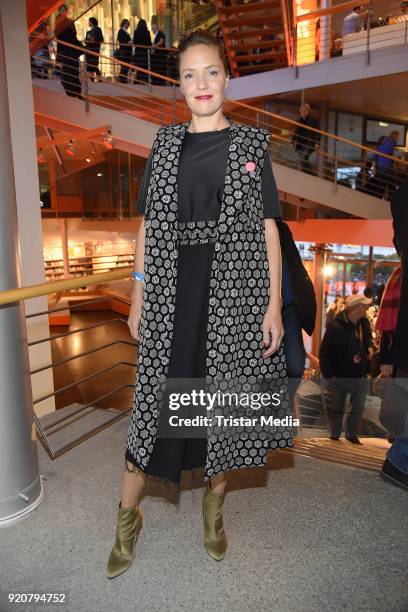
124 51
159 54
141 36
211 260
93 41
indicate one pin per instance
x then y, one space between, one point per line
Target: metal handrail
10 296
72 306
47 444
85 379
74 331
263 112
372 20
83 354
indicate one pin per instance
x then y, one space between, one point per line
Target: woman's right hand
134 317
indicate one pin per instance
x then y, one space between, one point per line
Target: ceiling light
88 160
70 149
328 270
99 174
108 141
41 157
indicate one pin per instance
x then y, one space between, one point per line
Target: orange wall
344 231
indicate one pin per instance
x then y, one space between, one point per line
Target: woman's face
202 79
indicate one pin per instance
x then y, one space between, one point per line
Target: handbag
117 53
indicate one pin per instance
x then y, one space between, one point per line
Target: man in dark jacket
298 307
306 141
344 360
68 57
395 468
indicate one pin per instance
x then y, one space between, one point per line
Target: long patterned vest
239 295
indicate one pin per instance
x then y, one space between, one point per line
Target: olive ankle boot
215 541
128 526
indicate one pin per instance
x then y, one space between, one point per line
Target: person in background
352 23
306 141
68 57
395 467
387 321
93 41
334 308
368 14
298 307
403 16
344 362
383 166
141 36
40 55
124 51
158 52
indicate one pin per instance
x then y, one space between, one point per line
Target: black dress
93 41
201 178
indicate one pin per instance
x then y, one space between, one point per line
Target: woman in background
124 51
141 36
93 41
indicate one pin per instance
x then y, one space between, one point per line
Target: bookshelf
80 266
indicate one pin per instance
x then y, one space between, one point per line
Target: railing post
174 103
295 65
335 164
368 31
21 488
149 66
86 89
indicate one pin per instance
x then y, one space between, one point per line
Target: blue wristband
138 276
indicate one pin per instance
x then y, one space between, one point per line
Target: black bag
117 53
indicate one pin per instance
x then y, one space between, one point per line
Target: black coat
341 342
305 299
399 209
69 35
123 39
94 39
304 138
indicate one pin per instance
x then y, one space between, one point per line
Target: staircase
253 35
370 456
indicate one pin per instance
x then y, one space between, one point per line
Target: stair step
253 57
366 457
254 21
250 7
253 33
261 67
267 44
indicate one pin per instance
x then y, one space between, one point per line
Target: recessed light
108 141
70 149
41 157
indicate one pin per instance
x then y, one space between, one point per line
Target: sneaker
394 475
353 439
337 438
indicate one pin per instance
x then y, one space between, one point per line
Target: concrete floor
304 536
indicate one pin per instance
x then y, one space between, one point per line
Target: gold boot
129 523
215 541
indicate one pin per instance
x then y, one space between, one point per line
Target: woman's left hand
273 332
